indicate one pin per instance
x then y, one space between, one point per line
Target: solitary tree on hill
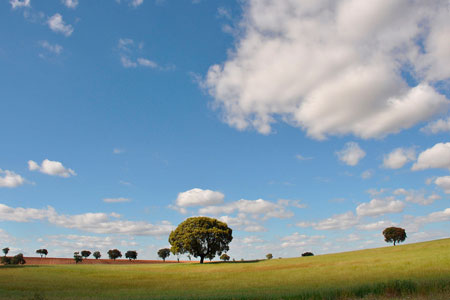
269 256
307 254
97 254
164 253
201 237
85 253
6 250
42 252
131 254
114 253
394 234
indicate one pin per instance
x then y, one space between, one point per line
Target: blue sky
306 126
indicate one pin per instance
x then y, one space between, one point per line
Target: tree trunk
164 259
394 243
201 259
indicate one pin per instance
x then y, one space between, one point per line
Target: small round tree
131 254
6 250
307 254
42 252
77 257
225 257
114 253
394 234
164 253
85 253
97 254
201 237
269 256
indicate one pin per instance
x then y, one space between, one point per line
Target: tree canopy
77 257
225 257
114 253
201 237
131 254
164 253
42 252
97 254
394 234
85 253
269 256
5 250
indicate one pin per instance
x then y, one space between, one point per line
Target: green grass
414 271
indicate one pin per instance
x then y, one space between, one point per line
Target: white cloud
57 24
352 237
376 225
418 197
70 3
301 157
136 3
49 167
437 156
341 221
413 224
127 51
375 192
334 67
296 240
351 154
367 174
116 200
398 158
437 126
147 63
241 222
378 207
199 197
53 48
6 238
10 179
127 63
258 209
100 223
444 183
249 240
17 3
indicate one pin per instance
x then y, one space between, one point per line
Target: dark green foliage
201 237
42 252
77 257
6 250
308 254
97 254
164 253
16 260
131 254
114 253
225 257
394 234
5 260
269 256
85 253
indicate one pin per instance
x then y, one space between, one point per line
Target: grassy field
415 271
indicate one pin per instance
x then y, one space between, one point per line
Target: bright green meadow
412 271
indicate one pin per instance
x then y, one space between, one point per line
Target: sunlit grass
418 269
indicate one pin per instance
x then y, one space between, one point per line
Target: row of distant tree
198 236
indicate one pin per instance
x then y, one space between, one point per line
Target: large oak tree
201 237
